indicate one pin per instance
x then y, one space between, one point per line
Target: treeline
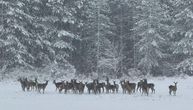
98 37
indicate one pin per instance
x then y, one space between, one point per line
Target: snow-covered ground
12 98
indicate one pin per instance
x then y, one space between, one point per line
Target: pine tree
37 33
122 12
151 29
14 36
96 28
183 33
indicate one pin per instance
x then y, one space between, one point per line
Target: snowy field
12 98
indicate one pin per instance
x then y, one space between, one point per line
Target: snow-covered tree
15 37
182 31
109 60
37 33
151 29
96 29
122 12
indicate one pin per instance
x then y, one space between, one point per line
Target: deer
75 85
62 87
99 86
92 87
116 86
151 86
27 83
109 87
123 86
41 86
173 88
139 85
81 87
66 87
32 84
58 84
23 83
128 88
69 86
132 85
145 88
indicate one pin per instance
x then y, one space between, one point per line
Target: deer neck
175 86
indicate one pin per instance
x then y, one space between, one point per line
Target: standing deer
41 86
173 88
58 84
116 86
92 86
145 88
151 86
128 88
99 86
23 83
139 85
109 87
132 85
123 86
81 87
31 85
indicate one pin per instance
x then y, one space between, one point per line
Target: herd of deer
95 86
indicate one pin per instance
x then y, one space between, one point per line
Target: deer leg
140 89
147 92
23 88
133 90
170 92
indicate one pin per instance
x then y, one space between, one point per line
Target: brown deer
32 84
139 85
116 86
109 87
123 86
92 86
128 88
58 84
173 88
145 88
132 85
23 83
41 86
81 87
99 86
68 86
151 86
62 87
75 85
